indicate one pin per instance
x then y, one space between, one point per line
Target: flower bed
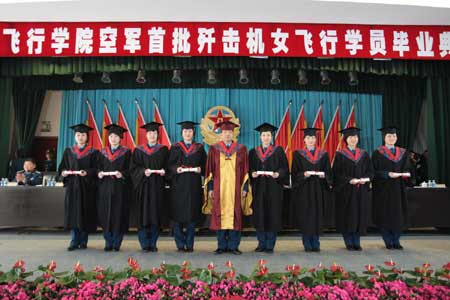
184 282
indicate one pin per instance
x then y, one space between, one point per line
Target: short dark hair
30 159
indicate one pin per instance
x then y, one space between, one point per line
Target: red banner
18 39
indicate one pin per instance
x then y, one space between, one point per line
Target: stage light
243 76
77 78
106 78
302 78
353 78
275 77
141 77
325 78
212 79
176 78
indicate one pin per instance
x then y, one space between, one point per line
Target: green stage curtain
438 125
27 109
5 123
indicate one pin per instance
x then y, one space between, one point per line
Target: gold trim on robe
246 201
207 203
227 190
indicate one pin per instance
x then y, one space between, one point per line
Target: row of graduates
237 184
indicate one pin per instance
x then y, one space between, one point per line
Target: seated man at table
29 175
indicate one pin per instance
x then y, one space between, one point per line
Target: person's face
390 139
152 137
226 135
29 166
266 137
310 141
352 141
48 156
81 138
114 139
187 134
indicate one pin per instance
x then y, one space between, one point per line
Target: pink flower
389 263
78 268
51 266
228 264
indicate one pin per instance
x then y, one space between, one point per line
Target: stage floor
40 248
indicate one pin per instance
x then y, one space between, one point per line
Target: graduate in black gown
114 188
186 197
308 188
148 186
80 213
267 188
392 174
353 172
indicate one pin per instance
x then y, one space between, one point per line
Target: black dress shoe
269 251
116 249
398 247
153 249
219 251
259 249
181 250
357 248
390 247
350 248
146 249
107 249
71 248
83 247
316 250
308 250
236 252
189 250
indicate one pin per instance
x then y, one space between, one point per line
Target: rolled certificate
406 174
183 170
156 171
364 180
71 172
114 173
264 173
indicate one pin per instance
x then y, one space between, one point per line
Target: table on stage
26 206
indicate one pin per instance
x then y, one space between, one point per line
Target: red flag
127 140
141 138
106 121
95 140
297 134
351 122
332 139
318 123
163 136
283 136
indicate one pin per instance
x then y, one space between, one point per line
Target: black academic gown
308 193
149 191
352 201
267 192
114 194
186 195
390 206
80 209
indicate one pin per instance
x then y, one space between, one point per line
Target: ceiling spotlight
212 79
176 78
353 78
302 78
275 77
243 76
325 78
77 78
141 77
105 77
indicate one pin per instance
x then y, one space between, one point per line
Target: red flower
262 262
186 274
51 266
210 266
98 269
100 276
336 268
155 271
293 269
397 271
369 267
133 264
447 266
78 268
228 264
426 265
263 271
389 263
230 274
185 263
312 270
19 264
